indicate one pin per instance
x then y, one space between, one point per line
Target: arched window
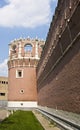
42 46
14 48
28 47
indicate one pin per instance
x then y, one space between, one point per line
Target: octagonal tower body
24 55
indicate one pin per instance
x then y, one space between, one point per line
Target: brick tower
24 55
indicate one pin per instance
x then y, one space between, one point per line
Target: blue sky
23 18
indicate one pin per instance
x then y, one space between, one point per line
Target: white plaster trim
25 104
19 53
34 66
36 50
26 58
9 50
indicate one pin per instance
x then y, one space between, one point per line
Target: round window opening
21 104
28 47
21 91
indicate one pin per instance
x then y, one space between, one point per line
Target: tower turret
24 55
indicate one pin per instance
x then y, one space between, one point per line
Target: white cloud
25 13
4 68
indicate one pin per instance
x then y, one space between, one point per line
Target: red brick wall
27 83
58 71
61 89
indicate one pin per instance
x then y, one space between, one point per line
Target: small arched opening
28 47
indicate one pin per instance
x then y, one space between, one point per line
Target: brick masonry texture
59 86
61 89
28 84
